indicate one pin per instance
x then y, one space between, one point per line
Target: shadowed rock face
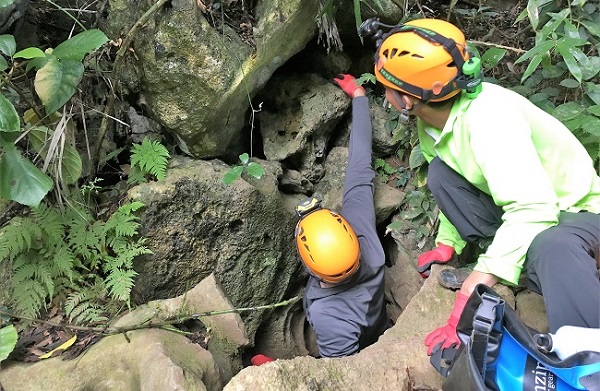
196 81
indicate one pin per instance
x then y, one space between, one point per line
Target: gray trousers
561 261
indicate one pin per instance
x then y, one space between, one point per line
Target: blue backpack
499 353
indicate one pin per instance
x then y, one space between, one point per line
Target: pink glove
446 335
441 254
348 84
260 359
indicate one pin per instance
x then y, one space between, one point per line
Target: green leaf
366 78
81 44
539 49
255 170
591 125
568 111
30 53
244 157
590 67
569 83
71 165
8 341
9 119
38 137
8 46
396 226
532 66
3 64
533 12
555 22
56 82
21 180
39 62
233 174
565 48
570 30
551 71
416 158
593 92
492 57
594 110
593 27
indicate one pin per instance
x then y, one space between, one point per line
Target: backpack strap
486 321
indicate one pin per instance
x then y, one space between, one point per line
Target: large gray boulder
196 225
197 81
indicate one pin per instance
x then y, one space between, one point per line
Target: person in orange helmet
501 170
344 296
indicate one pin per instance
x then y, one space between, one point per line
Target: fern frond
119 283
64 262
151 157
86 240
136 176
45 277
123 221
17 237
50 221
29 297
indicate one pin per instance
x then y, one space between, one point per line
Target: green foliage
564 65
253 169
58 72
418 213
148 158
366 78
55 250
383 168
8 341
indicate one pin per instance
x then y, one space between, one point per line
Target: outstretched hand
349 85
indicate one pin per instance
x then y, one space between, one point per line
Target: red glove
446 335
441 254
348 84
260 359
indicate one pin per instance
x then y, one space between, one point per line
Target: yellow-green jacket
527 160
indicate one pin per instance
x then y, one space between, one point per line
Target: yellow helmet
423 58
327 245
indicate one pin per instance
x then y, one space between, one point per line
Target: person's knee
549 242
435 174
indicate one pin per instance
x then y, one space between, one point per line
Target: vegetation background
64 228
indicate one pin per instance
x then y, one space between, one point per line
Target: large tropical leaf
81 44
56 82
21 180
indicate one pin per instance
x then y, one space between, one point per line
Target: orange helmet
422 58
327 245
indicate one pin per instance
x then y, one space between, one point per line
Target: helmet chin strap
404 112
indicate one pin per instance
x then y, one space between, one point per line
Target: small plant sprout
253 169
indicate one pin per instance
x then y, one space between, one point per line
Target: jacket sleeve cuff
506 273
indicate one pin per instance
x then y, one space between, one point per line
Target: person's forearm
476 278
